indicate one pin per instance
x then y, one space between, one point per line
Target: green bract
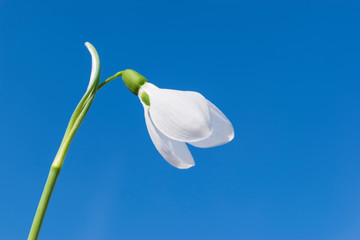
133 80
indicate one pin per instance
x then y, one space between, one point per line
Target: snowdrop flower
174 118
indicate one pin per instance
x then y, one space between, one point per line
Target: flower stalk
75 121
44 202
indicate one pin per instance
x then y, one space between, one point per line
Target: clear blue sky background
286 73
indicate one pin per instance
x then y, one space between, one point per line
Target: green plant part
133 80
145 98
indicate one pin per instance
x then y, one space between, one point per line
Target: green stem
74 124
43 204
110 79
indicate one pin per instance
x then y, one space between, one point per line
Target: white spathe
95 65
175 118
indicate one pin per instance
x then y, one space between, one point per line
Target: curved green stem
74 124
110 79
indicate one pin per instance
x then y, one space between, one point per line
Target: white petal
180 115
223 131
176 153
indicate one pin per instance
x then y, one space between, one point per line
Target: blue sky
286 73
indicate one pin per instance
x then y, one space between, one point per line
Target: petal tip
185 166
231 137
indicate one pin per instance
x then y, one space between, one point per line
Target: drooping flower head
174 118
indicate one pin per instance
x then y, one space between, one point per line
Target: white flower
174 118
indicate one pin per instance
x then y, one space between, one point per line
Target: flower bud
133 80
